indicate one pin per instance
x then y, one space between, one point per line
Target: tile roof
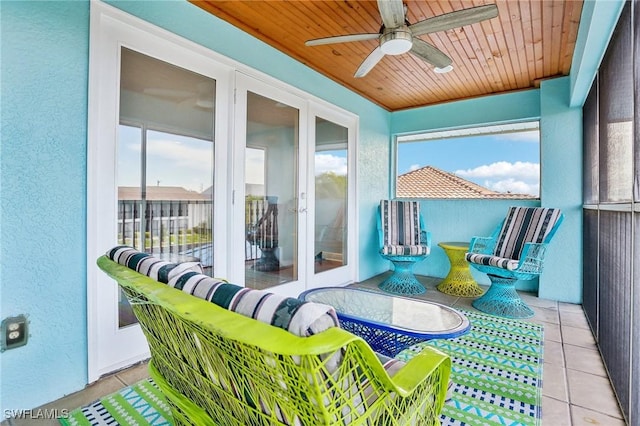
431 182
164 193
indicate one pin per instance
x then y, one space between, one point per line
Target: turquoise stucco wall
561 186
44 65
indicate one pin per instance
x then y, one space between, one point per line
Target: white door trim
110 30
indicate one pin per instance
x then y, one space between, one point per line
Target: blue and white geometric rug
496 372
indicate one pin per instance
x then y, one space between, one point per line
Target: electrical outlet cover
14 332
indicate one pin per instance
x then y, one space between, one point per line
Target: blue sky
505 162
172 160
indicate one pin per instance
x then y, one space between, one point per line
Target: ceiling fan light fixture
396 42
443 70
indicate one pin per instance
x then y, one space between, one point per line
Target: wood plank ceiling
529 41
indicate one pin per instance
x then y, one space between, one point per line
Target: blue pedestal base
503 300
403 281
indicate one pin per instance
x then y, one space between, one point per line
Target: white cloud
330 163
414 167
519 169
502 176
514 186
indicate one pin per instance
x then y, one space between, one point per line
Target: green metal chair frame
218 367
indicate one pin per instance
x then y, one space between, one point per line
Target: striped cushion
298 317
487 259
405 250
524 225
400 222
146 264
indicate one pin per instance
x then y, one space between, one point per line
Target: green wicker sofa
219 367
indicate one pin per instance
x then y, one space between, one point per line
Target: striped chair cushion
298 317
487 259
146 264
400 222
405 250
524 225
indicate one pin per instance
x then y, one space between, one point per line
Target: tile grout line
566 366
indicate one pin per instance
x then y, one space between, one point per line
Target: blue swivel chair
515 251
404 241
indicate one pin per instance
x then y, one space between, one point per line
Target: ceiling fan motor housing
396 41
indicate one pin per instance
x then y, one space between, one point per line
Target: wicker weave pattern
218 367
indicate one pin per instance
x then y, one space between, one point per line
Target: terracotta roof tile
164 193
430 182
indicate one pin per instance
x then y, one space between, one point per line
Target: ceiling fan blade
367 65
430 53
341 39
455 19
392 13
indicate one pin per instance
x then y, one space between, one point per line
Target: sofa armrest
422 366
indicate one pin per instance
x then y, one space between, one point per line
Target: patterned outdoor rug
496 372
496 375
141 404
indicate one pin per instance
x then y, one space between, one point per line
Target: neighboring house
175 220
431 182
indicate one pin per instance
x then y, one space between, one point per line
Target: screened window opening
491 162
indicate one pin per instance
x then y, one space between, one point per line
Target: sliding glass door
269 195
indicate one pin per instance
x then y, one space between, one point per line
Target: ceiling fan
397 36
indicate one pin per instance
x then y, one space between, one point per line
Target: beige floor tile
134 374
585 417
592 392
532 300
570 307
574 319
465 303
553 353
584 359
545 315
555 413
552 332
436 296
554 383
578 336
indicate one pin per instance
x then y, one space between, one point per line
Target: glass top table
389 323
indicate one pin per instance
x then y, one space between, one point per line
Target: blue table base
386 342
503 300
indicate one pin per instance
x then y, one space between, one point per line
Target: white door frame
244 84
345 274
111 347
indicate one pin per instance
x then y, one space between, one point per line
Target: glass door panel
165 163
271 188
331 195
